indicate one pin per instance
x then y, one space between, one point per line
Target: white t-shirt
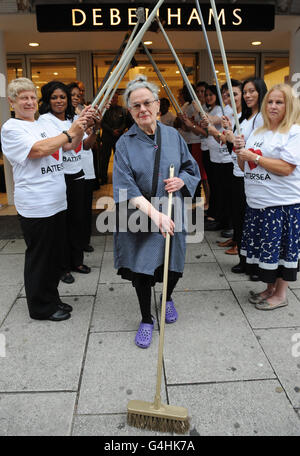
71 158
40 189
218 152
263 188
189 136
246 127
87 159
228 111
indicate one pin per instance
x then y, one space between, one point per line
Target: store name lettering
173 18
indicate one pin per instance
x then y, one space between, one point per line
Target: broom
157 416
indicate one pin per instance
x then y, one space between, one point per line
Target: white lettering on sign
221 15
96 15
74 14
177 15
194 15
115 18
240 20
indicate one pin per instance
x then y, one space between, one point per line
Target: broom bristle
158 423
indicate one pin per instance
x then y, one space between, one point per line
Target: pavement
235 368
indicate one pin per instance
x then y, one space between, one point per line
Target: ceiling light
256 43
34 44
55 73
147 42
177 72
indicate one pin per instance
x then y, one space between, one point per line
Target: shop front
80 41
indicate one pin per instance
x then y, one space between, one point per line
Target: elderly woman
35 153
139 256
271 163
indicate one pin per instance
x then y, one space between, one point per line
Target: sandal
256 298
265 305
171 312
143 336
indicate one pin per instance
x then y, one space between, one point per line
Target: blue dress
143 252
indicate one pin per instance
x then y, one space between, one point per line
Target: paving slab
84 285
201 276
212 237
94 259
108 273
3 242
98 240
117 371
8 295
199 253
281 317
44 355
14 246
211 341
237 409
116 308
226 262
109 425
282 347
109 245
12 269
37 414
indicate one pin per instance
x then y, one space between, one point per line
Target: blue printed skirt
271 242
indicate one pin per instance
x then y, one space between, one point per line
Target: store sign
96 17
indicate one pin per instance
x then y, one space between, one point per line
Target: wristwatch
257 159
69 136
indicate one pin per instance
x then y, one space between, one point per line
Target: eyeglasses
147 104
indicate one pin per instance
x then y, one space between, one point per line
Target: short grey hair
140 82
16 86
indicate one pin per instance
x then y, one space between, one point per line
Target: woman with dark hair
220 166
56 108
254 91
87 159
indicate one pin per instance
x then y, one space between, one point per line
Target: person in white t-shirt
254 91
56 109
166 116
271 163
35 153
87 166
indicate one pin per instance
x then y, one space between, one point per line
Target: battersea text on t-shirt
263 188
71 158
40 189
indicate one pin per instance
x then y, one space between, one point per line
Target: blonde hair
16 86
292 109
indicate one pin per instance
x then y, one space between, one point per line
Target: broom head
166 418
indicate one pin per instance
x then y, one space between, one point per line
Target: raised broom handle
157 400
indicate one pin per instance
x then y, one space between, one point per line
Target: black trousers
105 157
43 258
209 168
89 185
223 190
238 199
74 242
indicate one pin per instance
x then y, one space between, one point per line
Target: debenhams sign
102 16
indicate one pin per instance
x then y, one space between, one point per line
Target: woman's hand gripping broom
157 416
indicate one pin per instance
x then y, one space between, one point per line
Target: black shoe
238 268
82 269
67 278
65 307
88 248
59 315
227 233
254 277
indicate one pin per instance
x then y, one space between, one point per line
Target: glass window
14 69
240 67
46 70
165 63
276 70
